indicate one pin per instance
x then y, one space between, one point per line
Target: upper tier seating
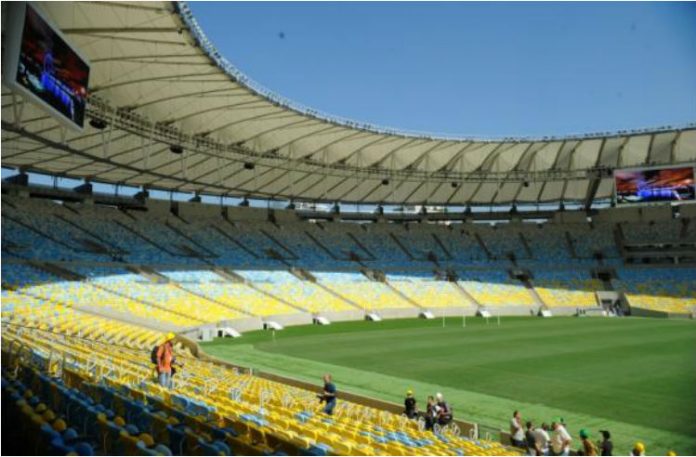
548 243
113 225
420 242
462 245
667 232
502 242
378 239
589 240
339 239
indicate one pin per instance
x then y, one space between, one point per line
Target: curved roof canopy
157 81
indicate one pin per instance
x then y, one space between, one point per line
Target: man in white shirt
516 430
542 439
560 442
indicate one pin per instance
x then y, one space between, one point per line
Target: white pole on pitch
443 318
498 320
463 320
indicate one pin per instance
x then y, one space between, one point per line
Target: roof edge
182 9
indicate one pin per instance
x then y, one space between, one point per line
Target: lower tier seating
671 290
566 288
106 394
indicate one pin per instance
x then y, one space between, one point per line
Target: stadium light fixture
176 149
249 165
244 203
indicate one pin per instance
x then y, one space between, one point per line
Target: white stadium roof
157 81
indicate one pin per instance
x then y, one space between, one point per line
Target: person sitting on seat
410 408
444 411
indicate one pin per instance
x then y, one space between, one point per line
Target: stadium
187 257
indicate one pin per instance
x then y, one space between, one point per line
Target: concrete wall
158 208
288 320
513 310
239 213
342 316
563 311
655 213
688 210
245 324
642 312
285 216
454 311
195 211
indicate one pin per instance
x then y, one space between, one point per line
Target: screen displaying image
666 184
50 69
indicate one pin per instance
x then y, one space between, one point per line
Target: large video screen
51 70
654 185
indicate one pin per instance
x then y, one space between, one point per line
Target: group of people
437 410
555 440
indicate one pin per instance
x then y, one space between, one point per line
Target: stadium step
371 256
401 245
289 253
340 297
228 274
206 252
483 246
570 245
57 270
442 246
321 246
535 295
102 245
210 299
235 241
277 298
404 296
470 298
18 221
149 273
525 244
144 237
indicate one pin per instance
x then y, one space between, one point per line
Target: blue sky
482 69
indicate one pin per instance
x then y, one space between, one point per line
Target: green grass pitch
633 376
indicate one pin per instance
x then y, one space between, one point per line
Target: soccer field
635 377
